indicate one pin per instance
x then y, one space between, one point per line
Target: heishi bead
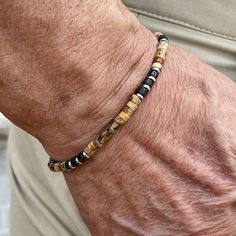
149 82
119 120
162 36
67 165
97 144
136 99
153 73
82 157
114 125
159 59
157 65
161 50
142 90
107 134
158 34
101 140
90 149
57 167
51 165
77 161
63 167
146 87
140 96
128 111
132 105
124 116
74 162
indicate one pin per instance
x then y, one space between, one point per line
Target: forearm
72 60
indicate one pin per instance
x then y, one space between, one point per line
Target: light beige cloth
41 202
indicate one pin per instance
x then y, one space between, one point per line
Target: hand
171 170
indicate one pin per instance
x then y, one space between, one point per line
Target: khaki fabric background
41 202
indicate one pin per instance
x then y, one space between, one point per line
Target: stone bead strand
126 113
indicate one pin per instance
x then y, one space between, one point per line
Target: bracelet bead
140 96
63 167
136 99
124 116
128 110
149 82
157 65
163 37
132 105
82 157
159 59
90 149
153 73
142 90
74 163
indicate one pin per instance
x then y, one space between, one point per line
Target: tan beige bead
128 111
108 133
98 144
101 140
132 105
62 166
114 125
163 44
136 99
156 65
90 149
158 34
161 50
121 118
159 59
57 167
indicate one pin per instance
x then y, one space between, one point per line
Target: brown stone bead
114 125
108 133
121 118
132 105
158 59
62 166
90 149
158 34
98 144
128 111
57 167
136 99
101 140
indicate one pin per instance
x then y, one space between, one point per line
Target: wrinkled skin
171 170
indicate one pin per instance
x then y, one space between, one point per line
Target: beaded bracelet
127 111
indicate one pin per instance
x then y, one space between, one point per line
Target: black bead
148 82
51 165
163 37
73 162
153 73
67 165
82 158
142 90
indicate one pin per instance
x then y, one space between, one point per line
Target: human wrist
105 86
68 66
